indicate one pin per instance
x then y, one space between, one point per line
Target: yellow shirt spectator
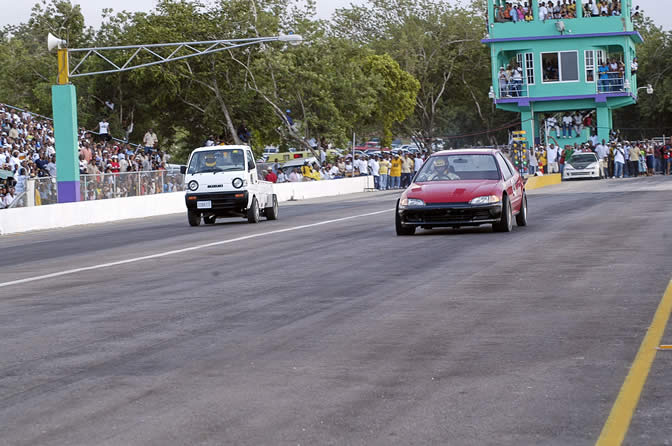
384 167
395 170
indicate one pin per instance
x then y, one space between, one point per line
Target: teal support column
527 120
64 105
579 9
603 123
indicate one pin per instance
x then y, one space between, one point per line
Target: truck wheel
272 211
209 220
194 218
253 212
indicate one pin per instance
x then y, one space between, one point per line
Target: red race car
457 188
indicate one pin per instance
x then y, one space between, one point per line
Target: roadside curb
543 181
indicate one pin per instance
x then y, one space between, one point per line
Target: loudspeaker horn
55 42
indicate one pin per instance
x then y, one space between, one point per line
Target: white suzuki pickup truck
222 181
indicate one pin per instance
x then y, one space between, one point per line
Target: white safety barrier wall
116 209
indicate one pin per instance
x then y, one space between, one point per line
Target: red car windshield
458 167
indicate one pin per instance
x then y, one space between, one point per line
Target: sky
18 11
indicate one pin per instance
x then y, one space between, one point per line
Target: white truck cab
222 181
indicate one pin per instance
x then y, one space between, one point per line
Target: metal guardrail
615 83
514 89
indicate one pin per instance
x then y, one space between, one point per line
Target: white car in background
582 165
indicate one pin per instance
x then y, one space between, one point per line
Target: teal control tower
562 58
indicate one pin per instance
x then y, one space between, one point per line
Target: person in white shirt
281 177
517 79
567 123
334 172
602 153
619 161
552 123
294 177
594 140
543 12
552 158
104 129
533 163
578 124
149 141
9 197
375 171
51 166
418 163
363 167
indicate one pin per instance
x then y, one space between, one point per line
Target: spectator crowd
27 151
618 158
559 9
388 170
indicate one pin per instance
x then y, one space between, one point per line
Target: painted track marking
183 250
618 423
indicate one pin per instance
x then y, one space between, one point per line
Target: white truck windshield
222 160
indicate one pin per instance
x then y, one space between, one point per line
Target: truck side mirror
183 169
250 165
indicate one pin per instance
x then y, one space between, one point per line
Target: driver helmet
210 160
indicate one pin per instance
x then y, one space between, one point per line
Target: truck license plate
204 204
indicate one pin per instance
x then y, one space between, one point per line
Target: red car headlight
406 202
486 199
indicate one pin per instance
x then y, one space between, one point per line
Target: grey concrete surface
341 333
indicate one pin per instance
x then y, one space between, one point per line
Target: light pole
64 95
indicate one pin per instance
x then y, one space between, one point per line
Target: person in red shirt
270 176
114 165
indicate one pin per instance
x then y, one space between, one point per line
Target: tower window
562 66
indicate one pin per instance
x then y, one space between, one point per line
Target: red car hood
461 191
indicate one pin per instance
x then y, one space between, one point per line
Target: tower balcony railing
514 89
613 83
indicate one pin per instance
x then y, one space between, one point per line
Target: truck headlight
485 199
238 183
193 185
411 202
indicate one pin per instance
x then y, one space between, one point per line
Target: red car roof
467 152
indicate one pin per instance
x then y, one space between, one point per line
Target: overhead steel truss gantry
128 56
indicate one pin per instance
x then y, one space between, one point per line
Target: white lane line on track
183 250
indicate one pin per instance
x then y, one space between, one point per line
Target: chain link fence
44 191
129 184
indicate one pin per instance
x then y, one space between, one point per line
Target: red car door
511 179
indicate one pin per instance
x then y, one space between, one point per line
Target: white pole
352 160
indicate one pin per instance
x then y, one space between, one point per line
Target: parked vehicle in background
582 165
298 163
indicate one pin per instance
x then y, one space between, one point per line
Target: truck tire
271 212
194 218
253 212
